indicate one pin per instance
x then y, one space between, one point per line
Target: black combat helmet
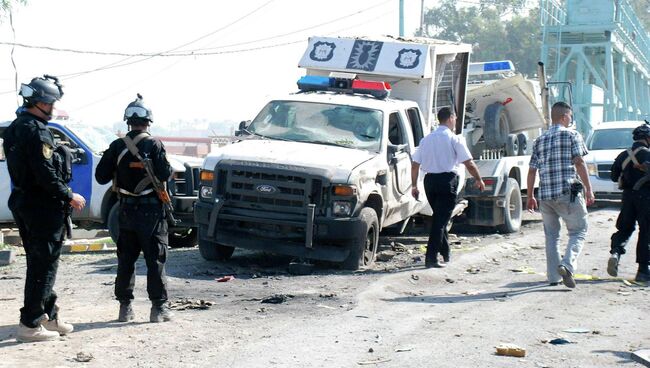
46 90
137 111
641 132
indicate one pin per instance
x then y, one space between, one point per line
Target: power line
238 51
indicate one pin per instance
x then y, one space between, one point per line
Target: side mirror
242 128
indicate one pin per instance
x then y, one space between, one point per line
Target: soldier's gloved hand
78 202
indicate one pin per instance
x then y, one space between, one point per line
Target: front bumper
605 189
280 233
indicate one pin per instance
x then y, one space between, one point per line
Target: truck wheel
497 126
364 248
512 145
113 222
513 208
183 238
523 143
212 251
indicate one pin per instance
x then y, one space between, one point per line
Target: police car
87 144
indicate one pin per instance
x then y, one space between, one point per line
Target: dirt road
396 314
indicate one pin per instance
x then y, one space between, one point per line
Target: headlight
206 192
341 208
592 169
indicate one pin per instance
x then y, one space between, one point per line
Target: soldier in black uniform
630 170
38 202
142 218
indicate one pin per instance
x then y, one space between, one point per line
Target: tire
496 126
185 238
513 209
113 222
512 145
364 248
523 143
212 251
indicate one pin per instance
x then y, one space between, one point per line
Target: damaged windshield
339 125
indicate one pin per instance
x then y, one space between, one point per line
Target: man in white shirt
439 155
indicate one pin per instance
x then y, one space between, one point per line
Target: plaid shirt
553 154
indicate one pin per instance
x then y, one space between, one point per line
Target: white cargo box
424 70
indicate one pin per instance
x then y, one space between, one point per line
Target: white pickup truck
319 173
101 210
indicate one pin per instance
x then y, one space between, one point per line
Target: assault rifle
161 191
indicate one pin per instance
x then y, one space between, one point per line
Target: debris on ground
560 341
376 361
276 298
225 278
402 350
83 357
185 303
577 330
398 247
385 256
511 350
327 295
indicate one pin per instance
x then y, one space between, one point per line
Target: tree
6 5
492 34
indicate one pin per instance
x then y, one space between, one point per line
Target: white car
604 143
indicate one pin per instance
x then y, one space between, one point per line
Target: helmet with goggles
46 89
137 111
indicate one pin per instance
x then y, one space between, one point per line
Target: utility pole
401 18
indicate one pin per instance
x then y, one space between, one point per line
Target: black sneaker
435 264
612 264
567 276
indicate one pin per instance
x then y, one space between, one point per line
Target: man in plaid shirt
557 155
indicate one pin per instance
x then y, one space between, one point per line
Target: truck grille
269 188
604 171
185 183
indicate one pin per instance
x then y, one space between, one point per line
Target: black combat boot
643 275
612 264
160 313
126 312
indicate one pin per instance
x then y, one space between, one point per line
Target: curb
88 245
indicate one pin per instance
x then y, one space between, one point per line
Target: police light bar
491 67
344 85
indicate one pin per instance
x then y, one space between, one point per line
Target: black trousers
143 228
41 231
634 209
441 193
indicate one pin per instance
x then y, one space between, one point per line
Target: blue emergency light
344 85
491 67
